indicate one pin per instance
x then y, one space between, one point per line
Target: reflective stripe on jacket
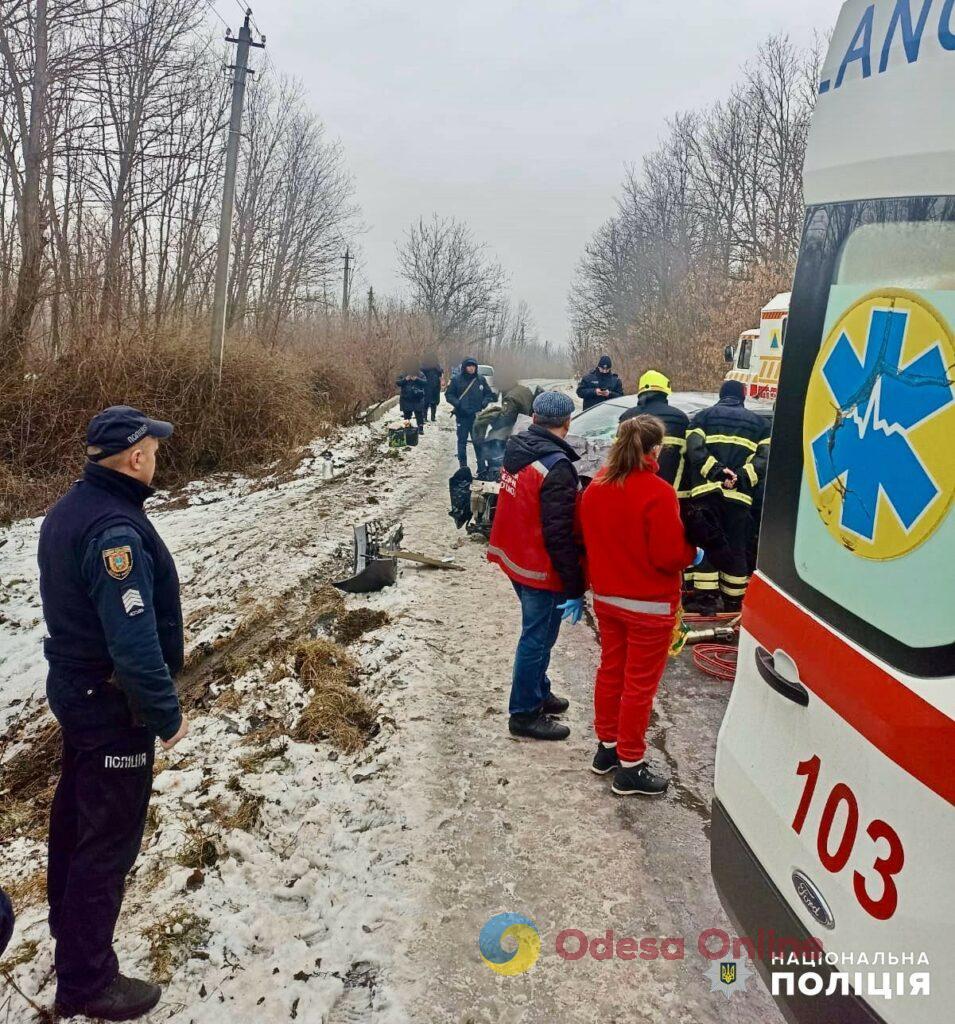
726 436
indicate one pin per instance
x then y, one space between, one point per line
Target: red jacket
533 537
636 547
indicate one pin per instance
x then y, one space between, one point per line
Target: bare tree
452 278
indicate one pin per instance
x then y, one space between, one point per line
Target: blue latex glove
573 609
700 555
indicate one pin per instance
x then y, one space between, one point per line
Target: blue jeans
540 624
465 433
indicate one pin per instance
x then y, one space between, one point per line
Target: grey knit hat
552 408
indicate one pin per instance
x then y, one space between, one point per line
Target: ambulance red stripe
918 737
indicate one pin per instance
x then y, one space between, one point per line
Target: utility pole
241 71
371 304
346 283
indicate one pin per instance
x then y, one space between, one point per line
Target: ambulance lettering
905 30
835 843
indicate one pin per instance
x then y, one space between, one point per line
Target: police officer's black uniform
727 436
601 378
110 597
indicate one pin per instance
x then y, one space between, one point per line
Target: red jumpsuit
636 554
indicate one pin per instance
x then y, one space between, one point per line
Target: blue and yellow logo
879 423
510 926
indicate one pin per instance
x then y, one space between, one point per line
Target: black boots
605 760
125 999
537 726
555 705
640 780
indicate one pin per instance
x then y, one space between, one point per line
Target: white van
835 774
758 353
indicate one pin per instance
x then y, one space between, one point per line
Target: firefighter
600 384
727 448
534 540
653 391
110 596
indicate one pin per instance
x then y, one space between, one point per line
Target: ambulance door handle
787 687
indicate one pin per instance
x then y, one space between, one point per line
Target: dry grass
256 760
171 941
354 624
321 662
200 850
246 816
25 952
27 782
27 891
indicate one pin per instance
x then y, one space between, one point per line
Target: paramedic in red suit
534 540
636 554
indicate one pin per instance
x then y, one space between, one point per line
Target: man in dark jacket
600 384
534 541
727 450
110 597
467 394
413 395
653 393
433 374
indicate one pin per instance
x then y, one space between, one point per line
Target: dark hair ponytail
636 439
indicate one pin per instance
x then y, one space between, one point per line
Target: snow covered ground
284 880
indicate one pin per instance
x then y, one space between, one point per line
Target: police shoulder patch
118 561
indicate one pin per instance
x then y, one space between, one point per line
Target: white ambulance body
834 810
758 354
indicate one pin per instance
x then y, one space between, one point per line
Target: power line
209 4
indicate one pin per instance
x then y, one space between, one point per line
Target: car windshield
486 371
600 420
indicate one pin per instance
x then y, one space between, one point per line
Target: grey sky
517 117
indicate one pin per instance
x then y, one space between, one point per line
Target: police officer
111 602
653 391
727 449
600 384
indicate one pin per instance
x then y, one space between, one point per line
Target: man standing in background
467 394
433 374
110 596
600 384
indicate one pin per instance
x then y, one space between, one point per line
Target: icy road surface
359 890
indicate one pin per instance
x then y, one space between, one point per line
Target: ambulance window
858 522
745 351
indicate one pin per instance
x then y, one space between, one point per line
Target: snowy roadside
270 884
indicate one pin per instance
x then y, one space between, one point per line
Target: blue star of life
879 402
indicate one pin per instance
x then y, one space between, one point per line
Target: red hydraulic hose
717 660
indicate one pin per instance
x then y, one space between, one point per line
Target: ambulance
834 808
758 353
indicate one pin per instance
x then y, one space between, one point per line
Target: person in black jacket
534 541
110 596
467 394
433 374
652 398
600 384
413 395
727 450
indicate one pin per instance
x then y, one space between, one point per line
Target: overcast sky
518 117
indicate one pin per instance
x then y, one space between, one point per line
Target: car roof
690 402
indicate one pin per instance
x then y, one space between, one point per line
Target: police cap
119 427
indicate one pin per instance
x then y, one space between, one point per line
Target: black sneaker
537 727
555 705
125 999
605 760
640 780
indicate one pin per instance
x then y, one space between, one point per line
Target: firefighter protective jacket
676 423
726 436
